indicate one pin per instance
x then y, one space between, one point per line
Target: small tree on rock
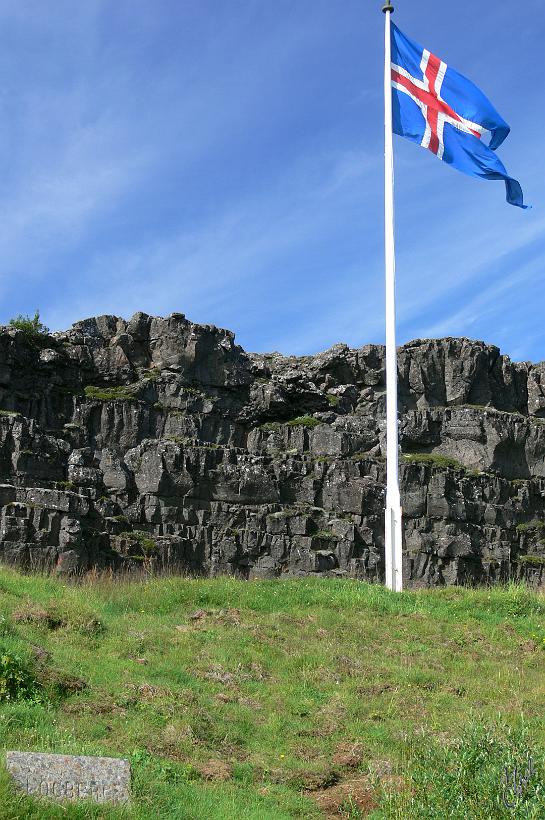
31 326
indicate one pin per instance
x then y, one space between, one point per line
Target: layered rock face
159 443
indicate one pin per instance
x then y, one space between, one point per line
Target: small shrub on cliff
145 541
532 560
530 525
326 535
122 393
147 547
32 327
303 421
300 421
434 460
270 426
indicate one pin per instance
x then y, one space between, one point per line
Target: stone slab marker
65 777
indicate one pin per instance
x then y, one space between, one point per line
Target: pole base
393 548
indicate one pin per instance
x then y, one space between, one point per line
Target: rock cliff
157 442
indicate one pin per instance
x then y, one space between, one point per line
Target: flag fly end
444 112
514 193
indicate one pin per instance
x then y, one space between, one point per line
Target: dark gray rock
158 443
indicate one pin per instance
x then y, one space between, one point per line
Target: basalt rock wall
158 443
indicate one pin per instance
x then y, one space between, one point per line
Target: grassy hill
278 699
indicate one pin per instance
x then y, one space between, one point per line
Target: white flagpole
392 533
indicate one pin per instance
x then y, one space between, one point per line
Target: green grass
532 560
282 698
326 535
122 393
530 526
299 421
474 777
192 391
435 460
366 456
303 421
151 374
270 426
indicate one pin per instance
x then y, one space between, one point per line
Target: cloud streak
227 162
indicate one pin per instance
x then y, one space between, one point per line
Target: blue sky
225 160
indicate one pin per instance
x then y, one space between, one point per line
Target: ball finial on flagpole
388 7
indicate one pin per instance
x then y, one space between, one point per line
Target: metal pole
393 530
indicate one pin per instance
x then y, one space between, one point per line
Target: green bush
147 548
270 426
33 328
16 679
145 541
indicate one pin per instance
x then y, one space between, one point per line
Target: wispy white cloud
492 302
194 270
160 159
107 145
51 208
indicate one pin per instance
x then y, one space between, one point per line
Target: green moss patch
532 560
434 460
530 526
123 393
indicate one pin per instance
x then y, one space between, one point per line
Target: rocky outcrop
162 444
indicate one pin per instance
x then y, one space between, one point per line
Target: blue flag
441 110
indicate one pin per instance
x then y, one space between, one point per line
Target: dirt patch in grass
54 616
314 780
217 770
30 614
62 683
352 798
147 692
348 755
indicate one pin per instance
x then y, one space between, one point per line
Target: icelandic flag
443 111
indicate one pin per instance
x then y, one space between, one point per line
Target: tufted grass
121 393
280 699
433 459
